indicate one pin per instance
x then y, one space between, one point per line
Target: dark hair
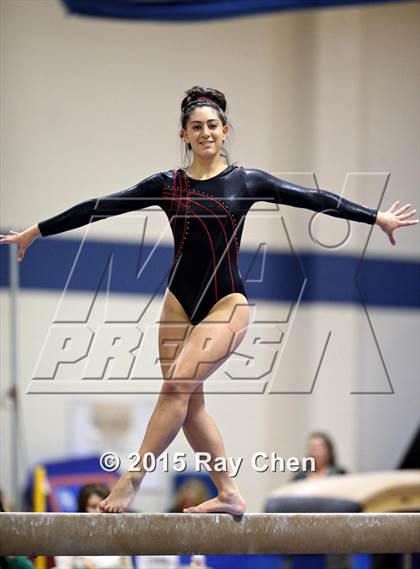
194 99
86 492
329 443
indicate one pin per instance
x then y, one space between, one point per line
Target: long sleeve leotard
206 218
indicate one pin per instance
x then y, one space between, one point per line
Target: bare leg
205 348
203 436
164 424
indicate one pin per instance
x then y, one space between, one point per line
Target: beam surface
177 534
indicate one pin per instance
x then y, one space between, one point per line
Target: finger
391 238
15 232
411 222
409 214
394 205
402 209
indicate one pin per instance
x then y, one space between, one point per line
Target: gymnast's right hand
23 239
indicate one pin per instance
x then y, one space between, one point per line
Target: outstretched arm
145 193
263 186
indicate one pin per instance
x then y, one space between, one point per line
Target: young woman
206 205
321 447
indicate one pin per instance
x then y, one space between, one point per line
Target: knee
179 384
180 390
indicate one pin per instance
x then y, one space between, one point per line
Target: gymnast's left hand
23 239
394 218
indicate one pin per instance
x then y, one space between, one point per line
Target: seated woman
321 447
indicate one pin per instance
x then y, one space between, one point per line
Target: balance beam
217 534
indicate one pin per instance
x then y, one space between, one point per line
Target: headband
205 99
199 99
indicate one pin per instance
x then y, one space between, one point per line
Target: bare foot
232 504
121 495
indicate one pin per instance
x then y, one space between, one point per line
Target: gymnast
205 303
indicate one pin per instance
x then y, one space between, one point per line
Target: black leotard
206 217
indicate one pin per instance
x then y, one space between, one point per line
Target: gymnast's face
92 505
205 132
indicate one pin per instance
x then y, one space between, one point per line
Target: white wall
90 106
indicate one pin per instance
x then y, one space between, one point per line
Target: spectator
88 501
190 493
321 448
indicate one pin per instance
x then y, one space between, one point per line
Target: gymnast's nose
206 132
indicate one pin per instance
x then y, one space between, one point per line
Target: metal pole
14 423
